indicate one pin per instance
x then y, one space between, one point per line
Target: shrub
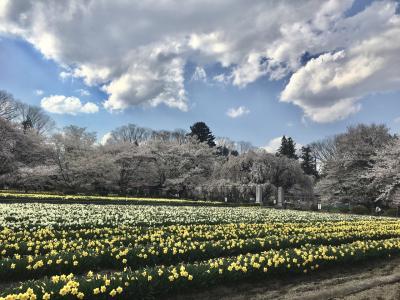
343 209
337 208
390 212
360 210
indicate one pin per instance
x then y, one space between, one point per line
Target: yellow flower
46 296
63 291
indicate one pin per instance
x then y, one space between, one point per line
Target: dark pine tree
27 124
234 153
291 146
308 162
203 133
287 148
283 147
222 151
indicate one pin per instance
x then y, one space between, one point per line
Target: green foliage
308 161
287 148
360 210
391 212
203 133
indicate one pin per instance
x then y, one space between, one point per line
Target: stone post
280 197
258 194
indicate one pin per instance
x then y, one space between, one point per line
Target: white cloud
64 75
199 74
144 63
222 78
106 137
237 112
60 104
396 120
273 145
83 92
330 87
39 92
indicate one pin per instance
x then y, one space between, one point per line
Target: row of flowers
161 280
32 216
58 197
50 240
112 254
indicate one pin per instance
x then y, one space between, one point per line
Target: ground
375 280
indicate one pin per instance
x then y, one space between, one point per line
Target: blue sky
306 111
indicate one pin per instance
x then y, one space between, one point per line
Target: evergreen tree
203 133
225 151
287 148
283 147
27 124
291 146
308 162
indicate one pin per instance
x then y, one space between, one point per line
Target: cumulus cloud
273 145
83 92
222 78
39 92
237 112
106 137
199 74
140 56
331 86
60 104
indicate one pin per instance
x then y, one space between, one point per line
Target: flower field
40 197
78 251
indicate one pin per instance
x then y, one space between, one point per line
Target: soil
372 280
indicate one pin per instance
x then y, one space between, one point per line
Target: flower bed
153 250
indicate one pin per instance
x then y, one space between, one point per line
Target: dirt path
376 280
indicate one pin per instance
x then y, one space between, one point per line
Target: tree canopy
287 148
203 133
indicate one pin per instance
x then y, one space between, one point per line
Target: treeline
140 161
361 165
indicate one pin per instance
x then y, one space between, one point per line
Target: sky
252 70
